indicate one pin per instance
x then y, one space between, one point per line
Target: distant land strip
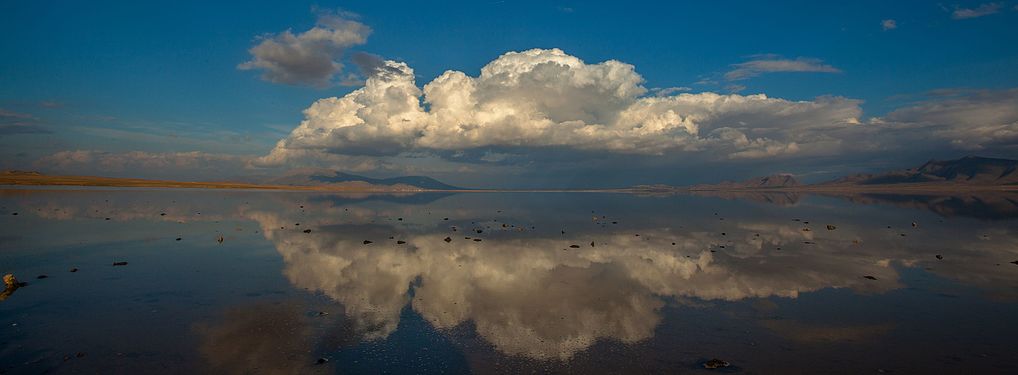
35 179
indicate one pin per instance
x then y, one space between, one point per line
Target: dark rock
477 240
940 256
574 246
591 243
400 242
119 263
715 364
73 270
367 242
40 277
322 361
831 227
869 277
307 231
178 238
447 239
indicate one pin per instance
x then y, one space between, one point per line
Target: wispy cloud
310 58
12 123
980 11
762 64
889 24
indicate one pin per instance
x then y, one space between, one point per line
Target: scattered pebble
447 239
831 227
367 242
119 263
869 277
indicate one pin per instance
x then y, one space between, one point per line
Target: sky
505 93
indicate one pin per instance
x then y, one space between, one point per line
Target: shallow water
654 284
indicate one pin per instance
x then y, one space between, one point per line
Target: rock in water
715 363
831 227
447 239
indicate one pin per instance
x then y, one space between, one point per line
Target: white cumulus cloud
545 98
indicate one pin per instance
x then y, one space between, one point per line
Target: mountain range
970 170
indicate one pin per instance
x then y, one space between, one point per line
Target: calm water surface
525 282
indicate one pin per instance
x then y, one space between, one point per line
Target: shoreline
43 181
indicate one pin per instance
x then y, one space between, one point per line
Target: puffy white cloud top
546 98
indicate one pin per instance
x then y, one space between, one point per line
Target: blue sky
163 77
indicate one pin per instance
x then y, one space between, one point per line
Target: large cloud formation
544 98
530 102
309 58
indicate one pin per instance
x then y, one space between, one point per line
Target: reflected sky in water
506 282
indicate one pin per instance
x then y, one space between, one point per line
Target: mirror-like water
271 282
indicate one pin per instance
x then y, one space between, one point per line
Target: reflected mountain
981 205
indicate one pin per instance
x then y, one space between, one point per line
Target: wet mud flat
168 281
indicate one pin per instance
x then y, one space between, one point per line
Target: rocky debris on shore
10 285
